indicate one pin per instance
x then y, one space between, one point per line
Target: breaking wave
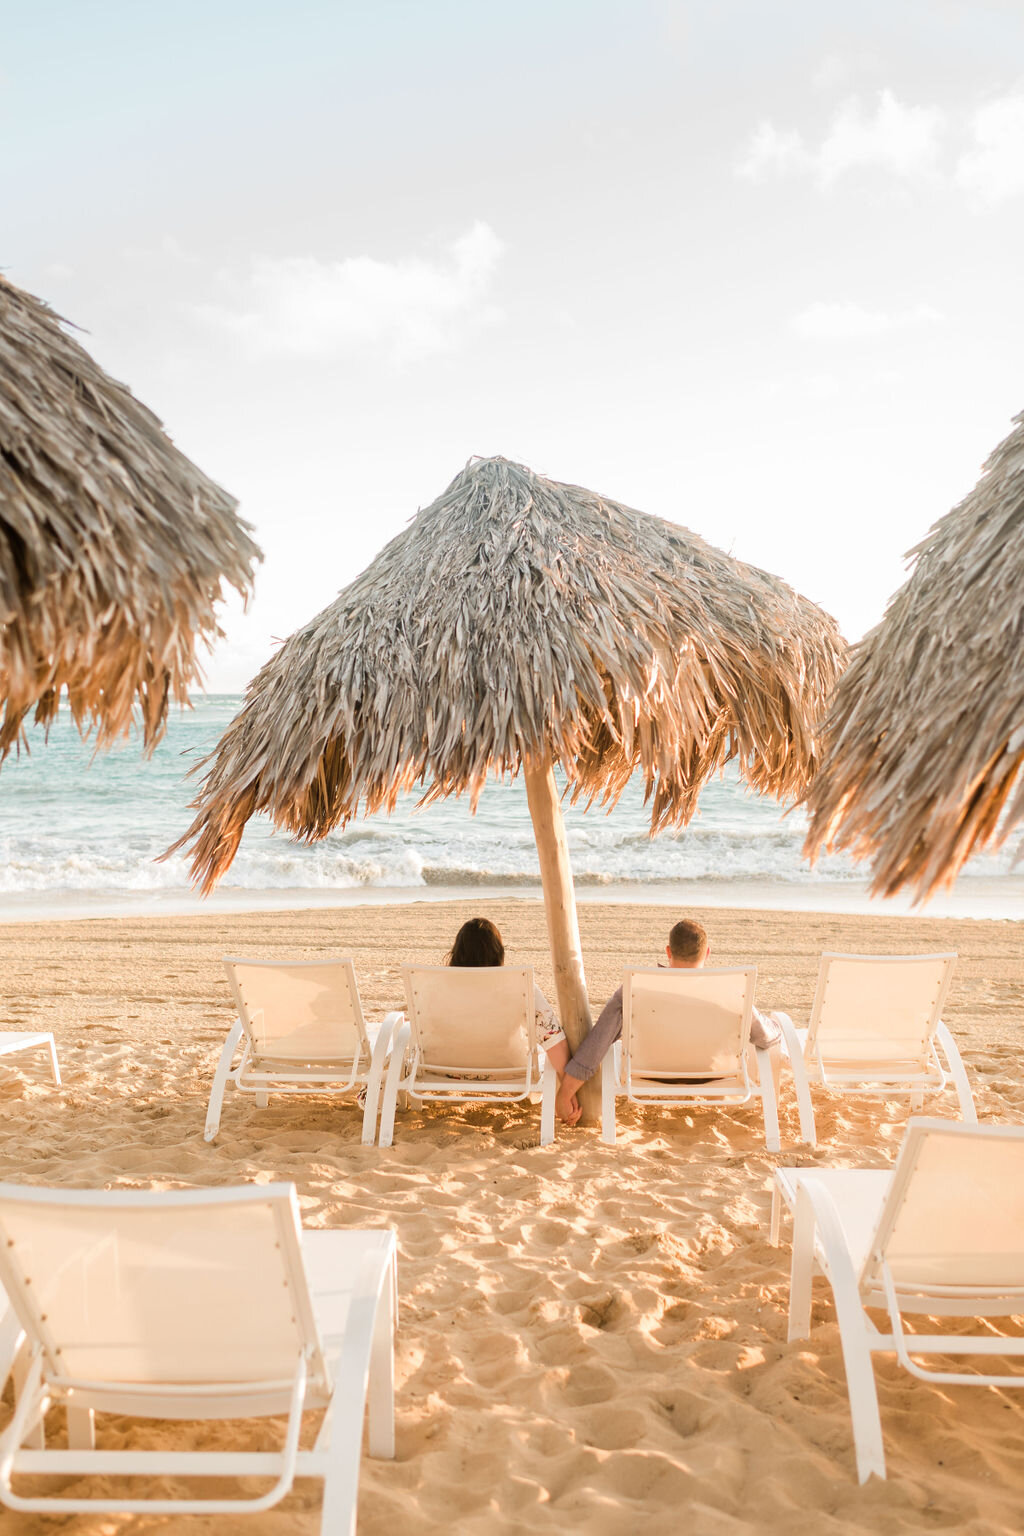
70 823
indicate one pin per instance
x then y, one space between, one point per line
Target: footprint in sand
590 1384
545 1234
614 1428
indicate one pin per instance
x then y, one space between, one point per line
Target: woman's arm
558 1055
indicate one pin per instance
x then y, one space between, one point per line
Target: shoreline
981 899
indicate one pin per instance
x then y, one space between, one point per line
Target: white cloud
897 138
981 152
892 136
772 149
301 306
993 168
850 322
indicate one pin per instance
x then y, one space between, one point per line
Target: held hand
567 1107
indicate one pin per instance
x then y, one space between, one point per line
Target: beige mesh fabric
954 1217
160 1291
878 1011
693 1022
475 1019
300 1011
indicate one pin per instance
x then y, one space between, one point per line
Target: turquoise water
78 829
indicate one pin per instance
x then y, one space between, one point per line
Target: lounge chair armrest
764 1056
399 1047
957 1072
220 1078
384 1041
817 1228
382 1049
792 1045
793 1052
402 1035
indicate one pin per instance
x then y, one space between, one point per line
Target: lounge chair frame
361 1068
341 1287
668 1087
829 1206
412 1073
811 1062
13 1040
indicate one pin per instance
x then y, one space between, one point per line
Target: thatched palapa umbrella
521 624
924 744
113 546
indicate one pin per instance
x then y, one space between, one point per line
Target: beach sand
591 1338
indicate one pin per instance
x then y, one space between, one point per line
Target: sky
754 268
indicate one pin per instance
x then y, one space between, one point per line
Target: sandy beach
590 1338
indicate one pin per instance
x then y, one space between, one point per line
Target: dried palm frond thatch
113 546
517 616
924 745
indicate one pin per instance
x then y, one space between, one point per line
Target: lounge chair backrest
481 1018
300 1010
882 1008
954 1216
160 1287
694 1022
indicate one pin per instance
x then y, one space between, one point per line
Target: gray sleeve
763 1030
595 1047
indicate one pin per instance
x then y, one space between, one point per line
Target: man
687 948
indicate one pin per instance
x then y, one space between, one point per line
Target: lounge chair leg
548 1088
262 1100
794 1052
395 1066
54 1068
381 1386
380 1052
766 1082
957 1071
853 1331
776 1217
81 1429
916 1100
220 1078
608 1098
21 1372
801 1275
341 1433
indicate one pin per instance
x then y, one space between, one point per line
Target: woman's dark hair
477 942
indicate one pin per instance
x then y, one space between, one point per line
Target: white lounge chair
686 1040
198 1304
302 1030
471 1035
876 1028
942 1234
12 1040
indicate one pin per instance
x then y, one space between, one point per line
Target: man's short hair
688 940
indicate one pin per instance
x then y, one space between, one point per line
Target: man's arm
763 1030
589 1057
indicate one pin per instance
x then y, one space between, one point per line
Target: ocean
80 834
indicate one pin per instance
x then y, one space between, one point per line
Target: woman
478 942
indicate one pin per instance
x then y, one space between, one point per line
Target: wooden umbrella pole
563 924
